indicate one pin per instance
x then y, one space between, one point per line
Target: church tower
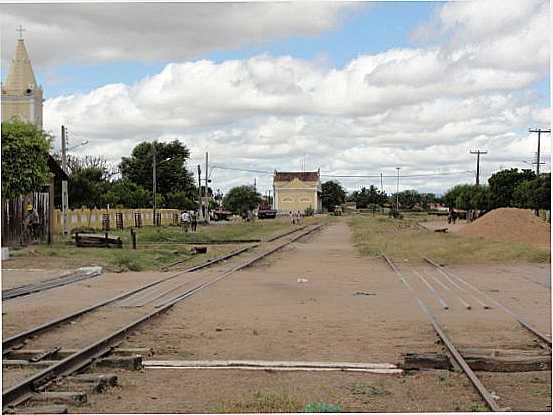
21 95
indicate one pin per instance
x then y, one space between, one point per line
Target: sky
352 89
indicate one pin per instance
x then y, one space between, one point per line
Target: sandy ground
264 312
477 326
183 391
15 277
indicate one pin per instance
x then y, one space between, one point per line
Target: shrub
309 211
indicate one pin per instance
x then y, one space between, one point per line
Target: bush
127 262
309 211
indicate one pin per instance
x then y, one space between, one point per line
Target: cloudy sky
355 89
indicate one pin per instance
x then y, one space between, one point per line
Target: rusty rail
520 320
24 390
484 393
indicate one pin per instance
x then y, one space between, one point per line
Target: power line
457 173
403 176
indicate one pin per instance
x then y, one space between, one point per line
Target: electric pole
397 190
200 206
206 192
539 131
478 152
381 183
154 178
64 192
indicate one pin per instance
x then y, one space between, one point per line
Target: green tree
241 199
332 195
172 175
503 183
534 194
370 196
126 194
88 187
24 158
468 196
180 200
408 199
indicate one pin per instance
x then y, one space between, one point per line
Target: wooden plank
266 364
74 398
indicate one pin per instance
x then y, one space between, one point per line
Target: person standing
194 220
185 220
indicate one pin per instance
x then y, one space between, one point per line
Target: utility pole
206 192
200 207
397 191
478 152
539 131
64 191
154 178
381 183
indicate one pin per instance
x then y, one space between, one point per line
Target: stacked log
87 240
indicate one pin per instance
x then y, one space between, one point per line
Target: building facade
297 191
21 96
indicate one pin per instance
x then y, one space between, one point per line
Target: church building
297 191
21 95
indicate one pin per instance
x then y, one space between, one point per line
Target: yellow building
297 191
21 95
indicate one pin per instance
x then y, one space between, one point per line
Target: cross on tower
20 30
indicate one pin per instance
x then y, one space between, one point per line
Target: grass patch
319 407
157 247
478 407
262 402
404 240
260 229
152 257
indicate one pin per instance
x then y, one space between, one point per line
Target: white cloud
419 108
96 32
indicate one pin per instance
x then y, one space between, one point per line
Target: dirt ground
316 300
504 224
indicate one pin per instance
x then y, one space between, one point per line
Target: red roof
288 176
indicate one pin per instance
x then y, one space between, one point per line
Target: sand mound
511 224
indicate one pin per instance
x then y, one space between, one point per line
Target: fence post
133 237
50 208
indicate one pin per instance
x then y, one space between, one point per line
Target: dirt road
318 300
348 308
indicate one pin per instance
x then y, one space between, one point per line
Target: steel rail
44 285
484 393
20 337
84 357
520 320
281 235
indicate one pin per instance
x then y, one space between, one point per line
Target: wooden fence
13 216
100 219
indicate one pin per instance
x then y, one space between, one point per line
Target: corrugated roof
304 176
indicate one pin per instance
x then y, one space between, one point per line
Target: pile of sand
511 224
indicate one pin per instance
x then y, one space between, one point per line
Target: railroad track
463 297
47 284
147 303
